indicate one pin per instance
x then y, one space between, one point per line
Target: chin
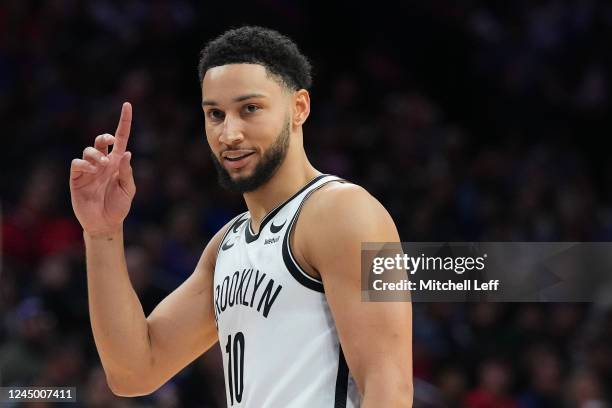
243 172
240 174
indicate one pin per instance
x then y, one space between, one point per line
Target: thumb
125 172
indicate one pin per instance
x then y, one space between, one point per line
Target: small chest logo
271 240
237 225
227 244
276 228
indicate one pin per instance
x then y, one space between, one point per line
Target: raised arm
376 337
138 354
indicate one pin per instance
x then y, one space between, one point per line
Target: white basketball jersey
277 335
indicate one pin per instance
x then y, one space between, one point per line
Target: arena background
468 120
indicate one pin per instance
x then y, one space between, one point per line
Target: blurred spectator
545 378
494 387
584 391
22 356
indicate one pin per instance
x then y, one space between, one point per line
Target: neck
292 175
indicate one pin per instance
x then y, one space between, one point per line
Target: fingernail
104 160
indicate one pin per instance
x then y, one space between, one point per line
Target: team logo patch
227 245
237 225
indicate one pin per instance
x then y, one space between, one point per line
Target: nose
232 133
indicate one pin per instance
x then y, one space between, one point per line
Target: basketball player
279 285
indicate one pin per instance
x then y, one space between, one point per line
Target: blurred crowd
468 121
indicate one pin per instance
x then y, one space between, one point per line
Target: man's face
247 124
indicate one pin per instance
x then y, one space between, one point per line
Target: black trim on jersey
290 263
295 272
341 381
229 229
250 237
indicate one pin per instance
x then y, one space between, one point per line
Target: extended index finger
123 128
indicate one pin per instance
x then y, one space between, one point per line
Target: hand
101 183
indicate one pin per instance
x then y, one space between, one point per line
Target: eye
250 108
215 114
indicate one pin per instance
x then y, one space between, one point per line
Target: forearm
117 319
390 392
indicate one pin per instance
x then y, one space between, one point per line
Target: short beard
265 169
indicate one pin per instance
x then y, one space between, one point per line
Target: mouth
236 159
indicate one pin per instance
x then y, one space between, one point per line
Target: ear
301 107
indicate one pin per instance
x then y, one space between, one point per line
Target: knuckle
102 142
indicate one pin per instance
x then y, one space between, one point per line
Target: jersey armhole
289 259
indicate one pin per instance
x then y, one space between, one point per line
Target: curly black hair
258 45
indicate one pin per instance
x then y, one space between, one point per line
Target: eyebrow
206 102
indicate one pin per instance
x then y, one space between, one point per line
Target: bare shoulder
343 208
335 220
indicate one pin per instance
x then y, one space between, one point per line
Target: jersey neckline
250 236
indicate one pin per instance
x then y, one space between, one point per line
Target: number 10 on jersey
235 366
